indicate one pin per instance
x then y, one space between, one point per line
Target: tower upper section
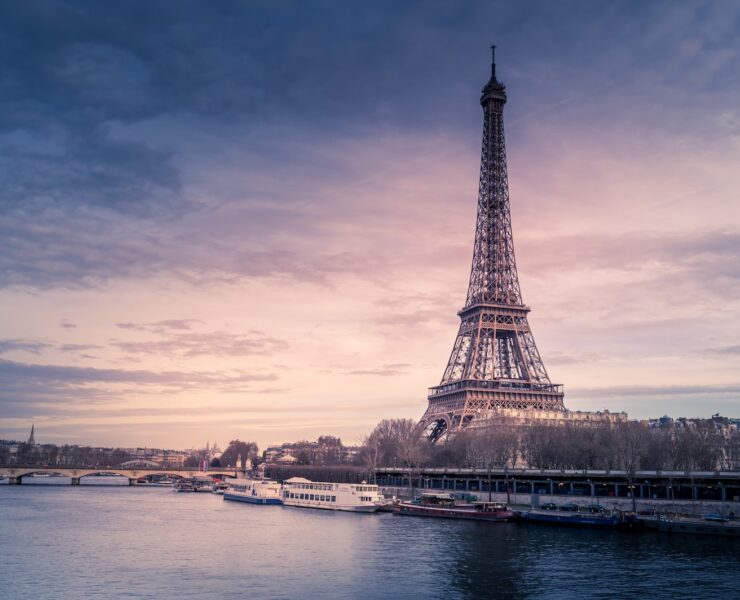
494 90
493 275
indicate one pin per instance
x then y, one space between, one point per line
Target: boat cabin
490 506
438 500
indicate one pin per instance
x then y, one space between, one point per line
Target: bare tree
494 445
397 442
632 446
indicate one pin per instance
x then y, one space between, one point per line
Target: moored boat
254 491
443 506
707 525
198 483
219 487
590 517
202 483
183 485
350 497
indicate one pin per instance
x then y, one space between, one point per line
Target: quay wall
693 491
693 507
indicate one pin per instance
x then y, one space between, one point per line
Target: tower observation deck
494 362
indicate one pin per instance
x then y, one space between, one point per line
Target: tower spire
31 440
494 362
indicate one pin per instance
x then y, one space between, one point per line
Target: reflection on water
123 542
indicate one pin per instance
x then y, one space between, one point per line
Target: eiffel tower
494 362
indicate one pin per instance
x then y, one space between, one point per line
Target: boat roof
298 480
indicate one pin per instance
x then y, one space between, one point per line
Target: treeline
238 454
629 446
317 472
66 455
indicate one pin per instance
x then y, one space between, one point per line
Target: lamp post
508 492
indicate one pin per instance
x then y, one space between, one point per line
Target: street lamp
508 492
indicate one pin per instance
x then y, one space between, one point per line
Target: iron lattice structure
494 362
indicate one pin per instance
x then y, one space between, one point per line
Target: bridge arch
16 473
37 471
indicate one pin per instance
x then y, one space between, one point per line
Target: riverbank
697 507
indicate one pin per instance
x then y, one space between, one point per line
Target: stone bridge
15 474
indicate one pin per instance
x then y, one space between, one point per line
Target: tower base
456 406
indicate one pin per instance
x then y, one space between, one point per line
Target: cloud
23 345
389 370
577 358
78 347
38 347
160 326
705 255
217 343
28 389
176 338
724 350
66 375
626 391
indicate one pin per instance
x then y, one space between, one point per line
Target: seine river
61 542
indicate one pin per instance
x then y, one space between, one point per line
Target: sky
255 220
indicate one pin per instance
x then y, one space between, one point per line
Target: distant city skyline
256 221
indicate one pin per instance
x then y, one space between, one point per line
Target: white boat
254 491
202 483
184 485
352 497
198 483
219 487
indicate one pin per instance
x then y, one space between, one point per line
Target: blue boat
591 517
706 525
254 491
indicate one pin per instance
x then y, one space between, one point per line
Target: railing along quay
720 486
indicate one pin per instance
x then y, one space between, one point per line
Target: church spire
31 440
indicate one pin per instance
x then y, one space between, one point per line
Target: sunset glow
259 224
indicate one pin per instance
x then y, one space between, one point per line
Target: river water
60 542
